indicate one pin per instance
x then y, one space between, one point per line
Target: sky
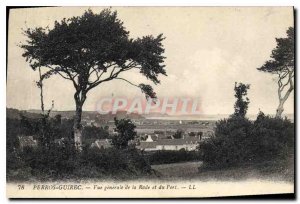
207 50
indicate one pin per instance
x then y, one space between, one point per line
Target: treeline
60 128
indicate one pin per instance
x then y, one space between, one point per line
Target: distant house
102 143
151 138
148 146
27 141
187 143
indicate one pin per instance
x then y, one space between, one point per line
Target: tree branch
53 69
128 82
65 70
112 75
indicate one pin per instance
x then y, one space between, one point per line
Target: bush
55 162
238 140
126 132
64 162
52 161
116 161
227 147
271 138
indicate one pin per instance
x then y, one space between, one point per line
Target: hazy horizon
167 114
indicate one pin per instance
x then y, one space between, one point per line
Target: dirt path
186 169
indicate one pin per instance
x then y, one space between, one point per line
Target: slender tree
242 101
91 49
282 64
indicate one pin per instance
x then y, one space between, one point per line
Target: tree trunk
41 93
77 127
279 109
283 99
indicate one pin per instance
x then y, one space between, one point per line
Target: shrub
55 162
238 140
116 161
126 132
50 160
64 162
227 147
271 138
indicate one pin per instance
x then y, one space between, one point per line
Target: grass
272 170
177 170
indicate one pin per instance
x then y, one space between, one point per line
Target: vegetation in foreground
49 160
66 162
238 140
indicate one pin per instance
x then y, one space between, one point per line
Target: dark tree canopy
92 49
282 57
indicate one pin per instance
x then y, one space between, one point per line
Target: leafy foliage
58 127
63 161
238 140
148 91
242 102
126 132
282 57
272 137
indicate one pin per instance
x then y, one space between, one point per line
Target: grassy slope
279 170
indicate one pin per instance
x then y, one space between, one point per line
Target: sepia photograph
150 102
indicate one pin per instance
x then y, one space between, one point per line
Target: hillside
89 115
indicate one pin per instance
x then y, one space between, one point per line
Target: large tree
91 49
282 64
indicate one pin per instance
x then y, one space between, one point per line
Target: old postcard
150 102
